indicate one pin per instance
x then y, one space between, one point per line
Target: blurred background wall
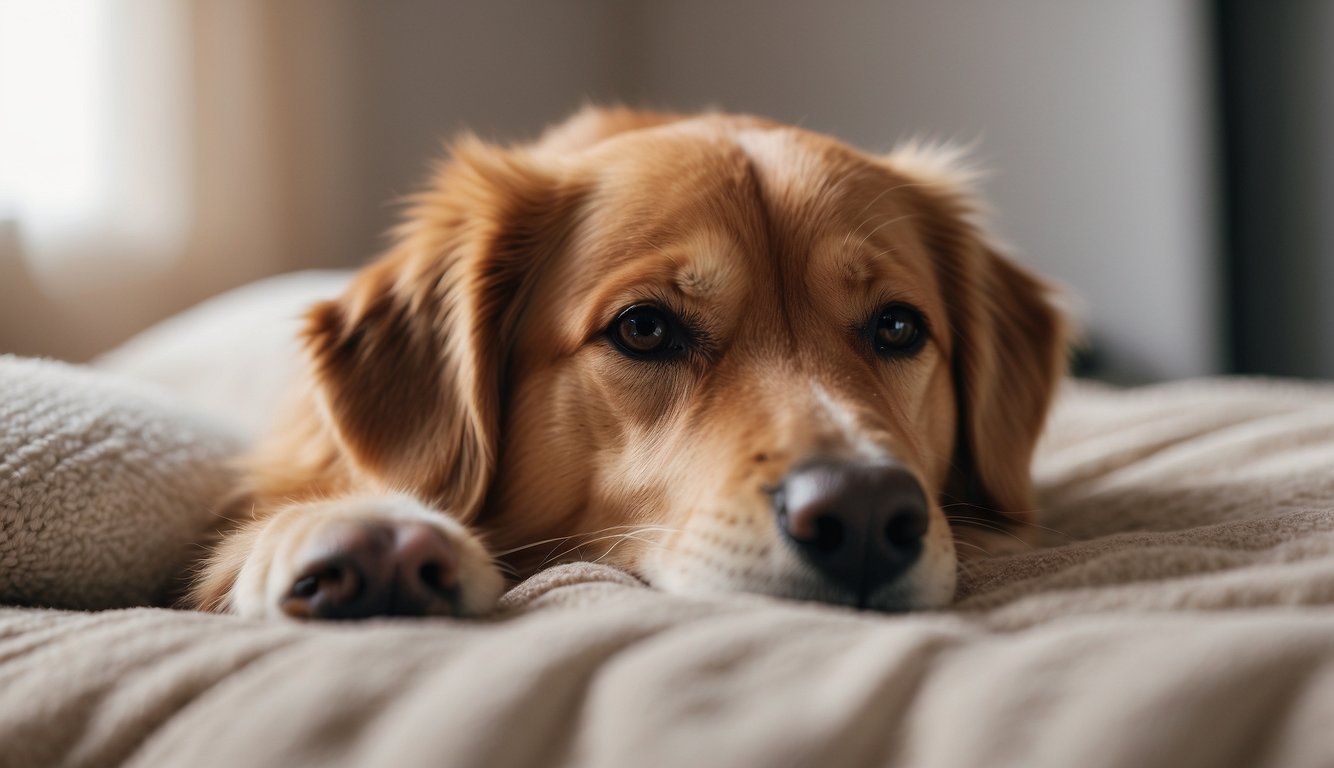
239 138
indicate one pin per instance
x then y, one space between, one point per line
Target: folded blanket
1181 613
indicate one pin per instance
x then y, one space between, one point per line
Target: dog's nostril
906 527
306 587
340 583
829 534
432 574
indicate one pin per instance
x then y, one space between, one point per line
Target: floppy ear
1009 342
408 363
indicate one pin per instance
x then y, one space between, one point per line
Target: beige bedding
1182 614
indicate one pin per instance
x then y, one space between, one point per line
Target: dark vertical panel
1276 67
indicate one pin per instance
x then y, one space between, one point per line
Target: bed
1179 613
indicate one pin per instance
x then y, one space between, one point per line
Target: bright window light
94 134
53 110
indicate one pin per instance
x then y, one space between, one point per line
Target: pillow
109 474
106 486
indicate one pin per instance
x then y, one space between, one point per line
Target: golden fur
466 377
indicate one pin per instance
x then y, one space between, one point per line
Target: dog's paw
368 556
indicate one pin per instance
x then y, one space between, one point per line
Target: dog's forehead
720 215
674 209
773 191
837 214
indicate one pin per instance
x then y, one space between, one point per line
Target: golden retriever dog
718 352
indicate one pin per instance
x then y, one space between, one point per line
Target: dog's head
719 352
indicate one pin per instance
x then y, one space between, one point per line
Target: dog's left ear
1010 342
409 363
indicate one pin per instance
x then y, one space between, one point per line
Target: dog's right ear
408 363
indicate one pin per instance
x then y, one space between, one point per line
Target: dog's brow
860 265
692 282
698 279
705 265
702 270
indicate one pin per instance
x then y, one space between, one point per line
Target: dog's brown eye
645 331
898 329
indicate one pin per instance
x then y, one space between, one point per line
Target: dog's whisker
978 522
1016 523
626 537
857 230
962 543
987 525
881 226
558 539
888 190
506 569
577 547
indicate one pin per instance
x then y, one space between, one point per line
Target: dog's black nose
859 524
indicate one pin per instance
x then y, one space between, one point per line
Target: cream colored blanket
1182 614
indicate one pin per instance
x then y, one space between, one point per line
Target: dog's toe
384 568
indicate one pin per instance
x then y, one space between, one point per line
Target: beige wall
1093 116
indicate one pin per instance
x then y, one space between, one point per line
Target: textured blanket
1181 613
105 486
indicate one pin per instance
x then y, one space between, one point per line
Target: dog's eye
898 330
645 331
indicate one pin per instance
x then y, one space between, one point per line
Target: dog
718 352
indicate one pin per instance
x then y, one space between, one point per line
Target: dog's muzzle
860 525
